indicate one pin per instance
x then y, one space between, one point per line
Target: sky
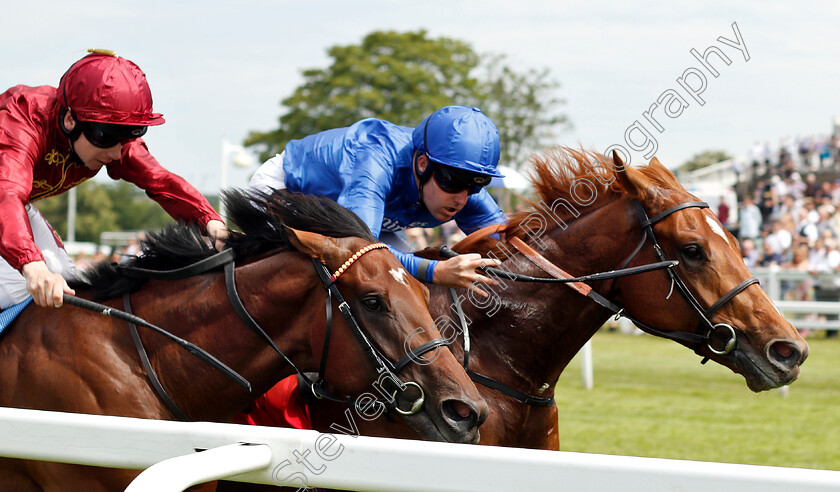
219 69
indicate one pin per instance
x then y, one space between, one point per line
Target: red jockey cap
105 88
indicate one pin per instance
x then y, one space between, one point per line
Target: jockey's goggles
105 135
453 180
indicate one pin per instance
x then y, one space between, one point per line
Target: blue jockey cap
461 137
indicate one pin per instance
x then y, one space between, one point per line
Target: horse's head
745 330
385 317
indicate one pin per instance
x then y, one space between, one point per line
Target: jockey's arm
481 210
16 242
366 197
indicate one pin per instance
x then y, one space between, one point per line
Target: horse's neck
535 328
216 328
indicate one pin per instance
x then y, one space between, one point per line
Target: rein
384 365
226 258
697 339
130 318
558 276
491 383
446 252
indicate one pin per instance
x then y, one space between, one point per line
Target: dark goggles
105 136
453 180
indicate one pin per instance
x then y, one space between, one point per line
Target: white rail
323 460
178 473
772 280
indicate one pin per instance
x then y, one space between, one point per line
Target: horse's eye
373 303
692 252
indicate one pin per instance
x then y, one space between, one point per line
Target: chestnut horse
75 360
593 215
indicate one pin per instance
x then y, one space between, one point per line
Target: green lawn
653 398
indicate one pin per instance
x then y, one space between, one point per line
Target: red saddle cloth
281 406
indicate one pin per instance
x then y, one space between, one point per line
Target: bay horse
74 360
593 214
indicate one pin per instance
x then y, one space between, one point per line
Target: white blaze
399 275
716 228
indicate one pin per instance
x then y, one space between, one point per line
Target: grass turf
653 398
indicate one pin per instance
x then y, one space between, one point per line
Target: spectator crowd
790 220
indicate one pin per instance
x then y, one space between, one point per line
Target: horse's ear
617 162
310 243
632 181
654 163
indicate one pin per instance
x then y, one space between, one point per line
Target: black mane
262 218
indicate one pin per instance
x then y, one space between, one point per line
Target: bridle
383 365
226 259
705 329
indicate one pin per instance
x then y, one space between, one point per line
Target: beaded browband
356 256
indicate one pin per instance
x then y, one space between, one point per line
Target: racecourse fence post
586 365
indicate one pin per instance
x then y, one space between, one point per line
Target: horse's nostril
461 409
786 354
458 411
783 349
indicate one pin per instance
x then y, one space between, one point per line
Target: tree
703 159
402 77
94 212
